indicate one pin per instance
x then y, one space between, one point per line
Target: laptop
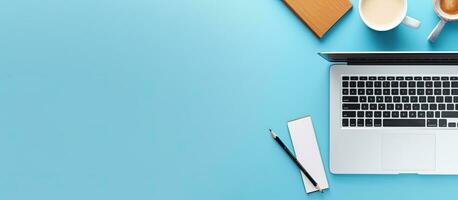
393 112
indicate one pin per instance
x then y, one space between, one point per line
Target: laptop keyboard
399 101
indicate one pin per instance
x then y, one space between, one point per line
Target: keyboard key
352 83
372 78
429 92
386 114
364 106
360 122
388 99
435 78
348 114
421 114
454 84
439 99
405 99
429 84
446 84
361 91
408 106
379 99
377 84
412 114
433 106
352 91
446 92
408 78
361 84
377 114
450 114
442 123
444 78
448 99
386 91
411 84
362 99
353 122
395 114
344 122
403 84
454 91
360 114
420 84
437 114
368 122
381 106
424 106
441 106
451 124
420 92
349 99
450 107
431 122
345 78
403 114
363 78
373 106
369 114
354 78
386 84
422 99
378 92
437 91
369 84
350 106
416 106
390 106
403 122
394 84
426 78
345 91
403 91
377 122
437 84
431 99
371 99
430 114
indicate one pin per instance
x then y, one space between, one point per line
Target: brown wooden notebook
319 15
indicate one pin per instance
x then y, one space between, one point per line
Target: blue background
157 99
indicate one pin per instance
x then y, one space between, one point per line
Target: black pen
283 146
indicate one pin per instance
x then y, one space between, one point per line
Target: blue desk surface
165 99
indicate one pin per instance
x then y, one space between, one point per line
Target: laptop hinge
387 61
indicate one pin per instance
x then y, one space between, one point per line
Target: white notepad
307 152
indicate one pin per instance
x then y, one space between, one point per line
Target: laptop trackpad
409 152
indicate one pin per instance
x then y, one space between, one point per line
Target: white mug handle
412 22
437 30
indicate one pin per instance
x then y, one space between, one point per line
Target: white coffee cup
384 15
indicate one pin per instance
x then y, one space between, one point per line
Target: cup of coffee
384 15
447 10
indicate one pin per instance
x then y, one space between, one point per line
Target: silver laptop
393 112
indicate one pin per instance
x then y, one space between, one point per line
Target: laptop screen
394 57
